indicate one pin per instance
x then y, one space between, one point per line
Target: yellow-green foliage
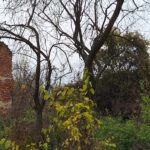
73 122
7 145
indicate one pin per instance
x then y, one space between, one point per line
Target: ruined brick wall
5 79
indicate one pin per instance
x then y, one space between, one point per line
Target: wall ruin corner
6 79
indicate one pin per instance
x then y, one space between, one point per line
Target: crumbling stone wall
5 79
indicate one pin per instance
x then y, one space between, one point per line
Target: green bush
127 135
73 121
5 127
145 109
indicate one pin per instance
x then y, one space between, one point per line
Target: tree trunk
38 125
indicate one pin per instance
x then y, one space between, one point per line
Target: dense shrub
73 121
129 134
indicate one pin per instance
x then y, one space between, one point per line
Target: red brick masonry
5 78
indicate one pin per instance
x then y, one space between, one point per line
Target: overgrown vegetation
109 106
131 134
73 124
72 121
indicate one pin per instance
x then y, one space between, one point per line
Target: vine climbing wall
5 79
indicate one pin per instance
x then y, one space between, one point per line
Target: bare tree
86 25
32 40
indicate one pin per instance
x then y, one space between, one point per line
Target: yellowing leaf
7 144
92 91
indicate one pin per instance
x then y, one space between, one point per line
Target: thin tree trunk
39 124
